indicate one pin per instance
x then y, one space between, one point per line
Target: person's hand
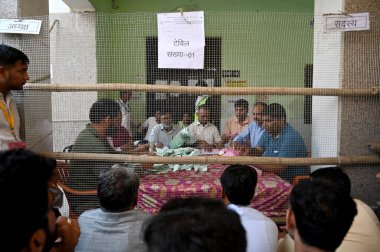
226 137
243 149
235 146
219 145
159 145
126 147
204 145
142 148
67 235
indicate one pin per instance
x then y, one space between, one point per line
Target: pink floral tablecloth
271 198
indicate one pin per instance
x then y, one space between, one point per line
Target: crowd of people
322 215
266 133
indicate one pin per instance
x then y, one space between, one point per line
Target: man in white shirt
238 188
150 123
206 134
164 132
13 76
123 101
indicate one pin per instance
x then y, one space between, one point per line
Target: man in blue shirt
280 140
251 135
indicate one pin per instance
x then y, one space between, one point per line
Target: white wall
73 60
58 6
328 49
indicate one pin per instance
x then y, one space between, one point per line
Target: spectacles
57 195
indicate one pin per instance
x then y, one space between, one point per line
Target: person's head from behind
257 112
274 118
125 95
203 114
117 189
106 114
238 184
29 222
241 109
332 176
192 227
319 216
202 203
13 68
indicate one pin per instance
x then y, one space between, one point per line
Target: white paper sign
20 26
350 22
181 40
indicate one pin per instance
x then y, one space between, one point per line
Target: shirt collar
162 127
199 124
235 208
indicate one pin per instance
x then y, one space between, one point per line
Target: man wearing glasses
29 222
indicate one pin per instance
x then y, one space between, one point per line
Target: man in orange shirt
235 125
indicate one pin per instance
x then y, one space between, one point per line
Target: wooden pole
352 160
345 92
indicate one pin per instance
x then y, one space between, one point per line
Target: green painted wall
265 41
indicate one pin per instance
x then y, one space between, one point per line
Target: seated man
164 132
235 125
365 230
251 135
149 124
29 222
105 119
319 216
279 140
206 134
202 225
116 225
238 188
186 120
122 138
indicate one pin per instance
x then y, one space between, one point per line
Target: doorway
180 103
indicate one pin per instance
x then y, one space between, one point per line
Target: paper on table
212 152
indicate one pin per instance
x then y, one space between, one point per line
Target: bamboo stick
343 160
345 92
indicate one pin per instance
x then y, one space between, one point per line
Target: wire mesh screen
207 118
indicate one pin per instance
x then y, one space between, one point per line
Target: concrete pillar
326 74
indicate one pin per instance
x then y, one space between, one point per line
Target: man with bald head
206 134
